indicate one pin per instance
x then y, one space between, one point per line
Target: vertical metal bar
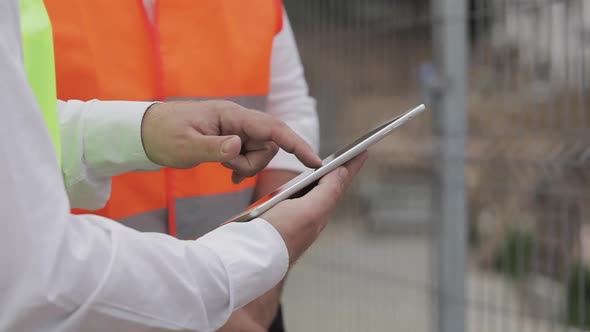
567 119
583 45
570 227
549 243
450 50
583 124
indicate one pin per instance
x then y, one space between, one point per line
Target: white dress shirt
64 272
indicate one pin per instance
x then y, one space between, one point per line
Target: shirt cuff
112 137
261 263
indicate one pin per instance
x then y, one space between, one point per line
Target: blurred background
474 216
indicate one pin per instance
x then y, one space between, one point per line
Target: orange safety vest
205 49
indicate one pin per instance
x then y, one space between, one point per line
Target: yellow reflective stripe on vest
39 63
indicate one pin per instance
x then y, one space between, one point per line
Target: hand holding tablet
305 181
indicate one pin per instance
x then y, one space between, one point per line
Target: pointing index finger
289 141
260 126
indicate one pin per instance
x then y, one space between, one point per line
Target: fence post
450 207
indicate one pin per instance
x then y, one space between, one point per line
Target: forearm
212 276
264 308
104 135
100 139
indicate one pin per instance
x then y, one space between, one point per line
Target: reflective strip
195 216
251 102
153 221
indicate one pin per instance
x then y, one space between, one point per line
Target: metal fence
475 216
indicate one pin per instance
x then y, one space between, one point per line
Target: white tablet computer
307 180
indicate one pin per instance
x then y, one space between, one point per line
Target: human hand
184 134
300 220
241 321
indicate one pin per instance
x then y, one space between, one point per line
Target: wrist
149 128
264 309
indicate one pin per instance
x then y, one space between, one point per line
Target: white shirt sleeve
100 139
289 97
69 273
